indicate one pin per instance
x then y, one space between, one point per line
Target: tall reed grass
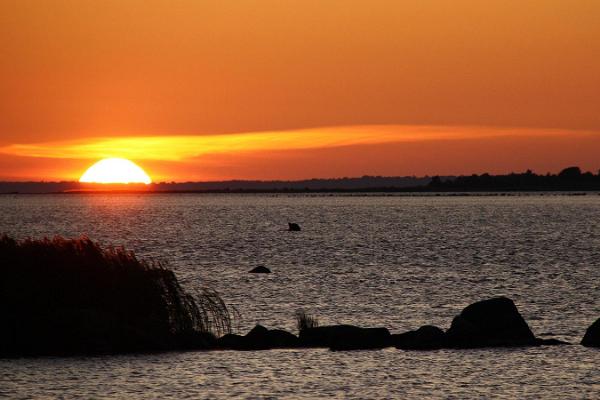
61 296
305 321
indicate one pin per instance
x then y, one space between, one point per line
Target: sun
115 170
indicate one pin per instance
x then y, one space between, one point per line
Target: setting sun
115 170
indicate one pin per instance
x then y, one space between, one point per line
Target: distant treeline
364 182
568 179
368 183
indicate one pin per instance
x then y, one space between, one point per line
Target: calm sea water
393 261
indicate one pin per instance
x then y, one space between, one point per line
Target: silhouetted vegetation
305 321
71 296
568 179
234 186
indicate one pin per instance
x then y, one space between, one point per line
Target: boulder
490 323
231 342
592 335
259 338
293 227
345 337
280 339
427 337
261 269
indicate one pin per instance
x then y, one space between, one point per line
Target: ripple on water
392 261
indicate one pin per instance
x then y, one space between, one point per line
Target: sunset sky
208 90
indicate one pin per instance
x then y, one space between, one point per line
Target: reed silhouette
71 296
305 321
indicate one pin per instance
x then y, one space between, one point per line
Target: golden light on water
115 170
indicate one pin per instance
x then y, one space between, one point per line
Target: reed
63 296
305 321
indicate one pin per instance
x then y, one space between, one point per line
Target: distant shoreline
374 193
570 179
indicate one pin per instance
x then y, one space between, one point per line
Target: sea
377 260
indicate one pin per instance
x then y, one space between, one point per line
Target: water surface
393 261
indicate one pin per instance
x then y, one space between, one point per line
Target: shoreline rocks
494 322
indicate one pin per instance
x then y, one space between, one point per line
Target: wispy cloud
185 147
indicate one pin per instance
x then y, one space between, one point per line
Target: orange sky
307 88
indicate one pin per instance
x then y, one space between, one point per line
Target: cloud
188 147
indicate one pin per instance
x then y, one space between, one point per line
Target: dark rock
293 227
257 332
345 337
259 338
232 342
490 323
427 337
592 335
262 338
550 342
281 339
261 269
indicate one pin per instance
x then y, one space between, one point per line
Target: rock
261 269
293 227
259 338
262 338
345 337
427 337
231 342
282 339
490 323
592 335
256 333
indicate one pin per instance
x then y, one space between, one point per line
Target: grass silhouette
305 321
72 296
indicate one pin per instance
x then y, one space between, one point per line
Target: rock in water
490 323
259 338
293 227
427 337
262 338
345 337
282 339
592 335
232 341
261 269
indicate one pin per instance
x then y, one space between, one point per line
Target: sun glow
115 170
